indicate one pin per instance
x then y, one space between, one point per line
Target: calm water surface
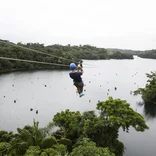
52 91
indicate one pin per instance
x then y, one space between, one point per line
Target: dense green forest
10 51
149 92
129 51
143 54
59 54
119 55
77 134
148 54
66 54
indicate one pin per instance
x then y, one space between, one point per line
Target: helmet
72 66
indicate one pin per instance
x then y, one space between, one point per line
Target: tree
85 147
3 148
33 151
68 123
116 114
59 54
148 54
149 92
5 136
48 142
103 128
31 134
119 55
150 111
28 136
77 133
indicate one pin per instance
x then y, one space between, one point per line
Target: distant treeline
149 54
72 53
91 52
143 54
133 52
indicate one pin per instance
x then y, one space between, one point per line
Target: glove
79 66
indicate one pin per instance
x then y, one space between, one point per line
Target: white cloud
105 23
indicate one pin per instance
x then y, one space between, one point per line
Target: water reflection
150 110
140 103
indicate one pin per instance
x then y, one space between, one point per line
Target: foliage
150 111
52 152
149 54
119 55
68 123
48 142
127 51
102 129
84 141
58 150
3 148
149 92
89 150
5 136
77 133
143 54
33 151
84 146
72 53
117 113
30 134
62 149
20 53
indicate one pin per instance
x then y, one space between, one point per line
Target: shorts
79 84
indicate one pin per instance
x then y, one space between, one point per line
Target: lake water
52 91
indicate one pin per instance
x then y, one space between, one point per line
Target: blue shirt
76 76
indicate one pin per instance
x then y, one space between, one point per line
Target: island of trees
143 54
148 54
149 92
77 134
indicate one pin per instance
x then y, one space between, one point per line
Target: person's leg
79 86
79 90
75 84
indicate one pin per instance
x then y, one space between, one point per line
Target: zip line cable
36 51
30 61
33 50
14 59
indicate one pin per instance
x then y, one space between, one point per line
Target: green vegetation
149 92
127 51
72 53
149 54
20 53
143 54
150 111
119 55
77 134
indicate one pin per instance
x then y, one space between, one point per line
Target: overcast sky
126 24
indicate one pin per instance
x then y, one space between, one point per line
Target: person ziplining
75 74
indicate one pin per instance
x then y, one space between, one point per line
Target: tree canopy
149 92
77 133
71 53
119 55
148 54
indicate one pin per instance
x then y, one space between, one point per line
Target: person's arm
80 68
